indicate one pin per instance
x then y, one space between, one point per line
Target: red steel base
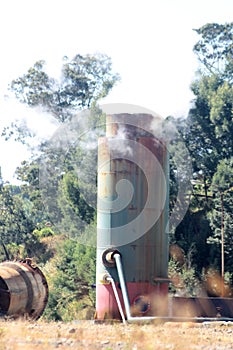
145 299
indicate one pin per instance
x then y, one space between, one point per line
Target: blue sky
150 43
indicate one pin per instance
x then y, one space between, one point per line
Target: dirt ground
17 335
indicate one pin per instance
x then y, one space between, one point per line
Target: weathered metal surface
142 161
23 289
201 307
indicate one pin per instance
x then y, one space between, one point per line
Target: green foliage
28 175
59 187
223 178
208 137
57 195
210 127
44 232
184 280
84 80
18 237
220 215
180 171
191 236
200 133
215 49
72 275
68 173
71 191
15 220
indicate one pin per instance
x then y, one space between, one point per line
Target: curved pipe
111 280
124 291
132 319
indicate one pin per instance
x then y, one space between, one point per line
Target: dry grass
17 335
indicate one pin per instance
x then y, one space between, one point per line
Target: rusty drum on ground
23 289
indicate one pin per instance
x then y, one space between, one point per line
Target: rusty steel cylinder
132 213
23 289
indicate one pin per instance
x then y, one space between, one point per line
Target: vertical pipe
130 318
111 280
120 272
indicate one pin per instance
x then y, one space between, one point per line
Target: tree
209 125
215 49
14 219
73 203
191 236
208 136
68 173
17 236
71 284
59 182
220 215
84 80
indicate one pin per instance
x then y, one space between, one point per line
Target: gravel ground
17 335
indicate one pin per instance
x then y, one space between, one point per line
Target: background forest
51 215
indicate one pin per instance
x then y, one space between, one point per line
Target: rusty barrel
23 289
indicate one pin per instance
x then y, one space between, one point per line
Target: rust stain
23 289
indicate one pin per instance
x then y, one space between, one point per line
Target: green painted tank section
133 168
